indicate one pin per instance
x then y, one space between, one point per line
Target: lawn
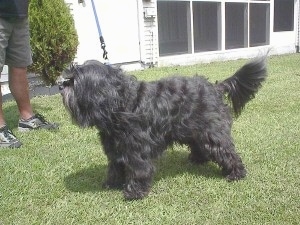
55 178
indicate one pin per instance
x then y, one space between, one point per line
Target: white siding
150 35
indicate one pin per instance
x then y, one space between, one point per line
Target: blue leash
99 32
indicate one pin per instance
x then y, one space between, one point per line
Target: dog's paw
235 174
132 192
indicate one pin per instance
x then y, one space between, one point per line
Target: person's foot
37 121
8 139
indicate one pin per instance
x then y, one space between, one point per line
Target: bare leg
2 121
18 84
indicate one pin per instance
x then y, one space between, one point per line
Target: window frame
222 34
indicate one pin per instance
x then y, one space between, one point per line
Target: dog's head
91 91
75 72
77 83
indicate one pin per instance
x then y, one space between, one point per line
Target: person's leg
2 121
5 30
18 57
18 84
7 138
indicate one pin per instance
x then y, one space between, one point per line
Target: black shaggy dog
138 120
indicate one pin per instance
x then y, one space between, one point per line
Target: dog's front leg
116 168
115 175
139 173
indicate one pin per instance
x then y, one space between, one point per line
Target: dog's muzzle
62 82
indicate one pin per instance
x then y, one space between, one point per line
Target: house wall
119 25
130 29
280 43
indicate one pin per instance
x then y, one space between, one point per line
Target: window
192 26
236 25
259 24
283 15
207 26
172 27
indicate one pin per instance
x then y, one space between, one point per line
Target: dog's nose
60 87
59 80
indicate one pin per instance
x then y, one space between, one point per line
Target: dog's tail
244 84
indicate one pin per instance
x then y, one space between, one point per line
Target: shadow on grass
86 180
172 164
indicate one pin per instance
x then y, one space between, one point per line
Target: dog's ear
75 69
67 76
71 71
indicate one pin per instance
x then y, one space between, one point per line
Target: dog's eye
66 83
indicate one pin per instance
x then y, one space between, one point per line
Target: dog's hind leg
223 152
218 147
197 155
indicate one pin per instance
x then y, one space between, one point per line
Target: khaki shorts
15 48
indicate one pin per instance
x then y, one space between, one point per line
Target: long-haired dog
138 120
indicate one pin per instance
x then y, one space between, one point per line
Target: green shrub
54 39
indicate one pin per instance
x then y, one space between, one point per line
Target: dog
138 120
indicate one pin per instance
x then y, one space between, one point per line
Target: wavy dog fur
138 120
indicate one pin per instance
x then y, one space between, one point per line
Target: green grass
55 178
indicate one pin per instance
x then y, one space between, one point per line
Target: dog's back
180 91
